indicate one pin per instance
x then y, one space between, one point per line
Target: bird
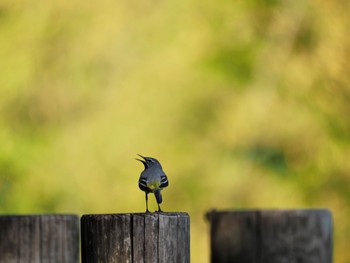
152 179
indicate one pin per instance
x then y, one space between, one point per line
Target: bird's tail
158 195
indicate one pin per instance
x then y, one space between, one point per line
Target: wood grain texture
271 236
138 237
106 238
39 238
151 237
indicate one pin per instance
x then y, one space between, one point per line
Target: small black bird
152 179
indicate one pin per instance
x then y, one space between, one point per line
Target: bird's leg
159 210
147 211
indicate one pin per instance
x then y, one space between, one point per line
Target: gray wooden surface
136 238
271 236
39 239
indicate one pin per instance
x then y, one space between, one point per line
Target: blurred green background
246 104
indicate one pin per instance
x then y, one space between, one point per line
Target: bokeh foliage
246 103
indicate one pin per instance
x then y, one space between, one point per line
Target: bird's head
148 161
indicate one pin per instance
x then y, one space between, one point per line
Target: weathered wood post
39 238
271 236
136 238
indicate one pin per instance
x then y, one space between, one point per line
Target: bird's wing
143 184
163 181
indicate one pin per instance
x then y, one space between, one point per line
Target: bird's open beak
143 161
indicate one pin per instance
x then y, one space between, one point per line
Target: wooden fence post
271 236
136 238
39 238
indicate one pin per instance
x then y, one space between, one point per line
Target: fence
150 237
39 238
265 236
271 236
